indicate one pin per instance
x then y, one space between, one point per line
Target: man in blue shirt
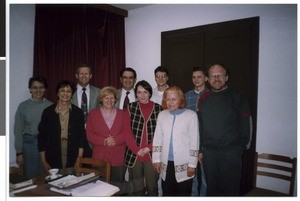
199 79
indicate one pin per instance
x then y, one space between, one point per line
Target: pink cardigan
97 131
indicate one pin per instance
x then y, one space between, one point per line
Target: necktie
126 100
84 103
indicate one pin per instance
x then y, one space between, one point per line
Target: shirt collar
79 88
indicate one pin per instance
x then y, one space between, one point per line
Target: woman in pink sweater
104 130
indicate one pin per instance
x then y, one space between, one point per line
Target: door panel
233 44
183 51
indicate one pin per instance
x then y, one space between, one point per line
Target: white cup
53 173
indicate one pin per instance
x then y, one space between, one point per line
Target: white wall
276 126
20 61
277 83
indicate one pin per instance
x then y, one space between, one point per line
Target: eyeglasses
214 77
161 76
126 78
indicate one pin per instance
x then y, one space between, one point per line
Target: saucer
48 178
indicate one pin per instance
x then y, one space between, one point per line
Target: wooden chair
16 174
276 166
16 170
89 165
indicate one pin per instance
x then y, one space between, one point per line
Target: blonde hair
180 93
106 91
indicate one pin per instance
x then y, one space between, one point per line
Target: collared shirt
79 95
131 97
157 95
192 97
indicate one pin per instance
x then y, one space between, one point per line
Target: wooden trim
111 9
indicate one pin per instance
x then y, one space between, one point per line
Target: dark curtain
67 36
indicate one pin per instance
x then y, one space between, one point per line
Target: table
88 189
42 189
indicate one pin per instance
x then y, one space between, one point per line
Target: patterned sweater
185 142
137 128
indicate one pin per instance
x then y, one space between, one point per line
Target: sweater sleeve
42 136
194 139
120 140
245 119
130 141
92 122
18 130
200 131
157 140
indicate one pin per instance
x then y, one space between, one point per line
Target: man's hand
191 171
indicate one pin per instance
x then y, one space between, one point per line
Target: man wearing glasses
224 117
161 78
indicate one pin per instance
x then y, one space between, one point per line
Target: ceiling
129 6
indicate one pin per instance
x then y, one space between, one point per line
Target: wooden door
234 44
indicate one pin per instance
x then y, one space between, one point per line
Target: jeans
199 190
203 182
32 165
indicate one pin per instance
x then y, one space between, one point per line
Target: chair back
276 166
89 165
16 170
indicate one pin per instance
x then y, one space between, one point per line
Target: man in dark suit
84 75
128 79
90 99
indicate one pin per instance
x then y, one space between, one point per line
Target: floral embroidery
194 153
156 149
181 168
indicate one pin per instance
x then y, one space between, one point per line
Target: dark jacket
49 136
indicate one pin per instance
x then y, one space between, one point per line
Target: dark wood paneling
233 44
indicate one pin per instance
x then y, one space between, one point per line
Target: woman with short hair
176 144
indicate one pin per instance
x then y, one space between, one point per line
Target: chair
16 174
276 166
16 170
89 165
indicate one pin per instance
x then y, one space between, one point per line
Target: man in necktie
128 79
126 93
126 100
85 96
84 103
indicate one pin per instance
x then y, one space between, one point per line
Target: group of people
168 143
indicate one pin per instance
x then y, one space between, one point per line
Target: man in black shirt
224 134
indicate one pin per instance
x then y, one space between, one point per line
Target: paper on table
71 180
21 184
23 189
99 188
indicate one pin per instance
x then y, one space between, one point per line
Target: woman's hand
143 151
110 141
20 160
157 167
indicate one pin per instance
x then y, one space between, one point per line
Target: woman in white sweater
176 144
